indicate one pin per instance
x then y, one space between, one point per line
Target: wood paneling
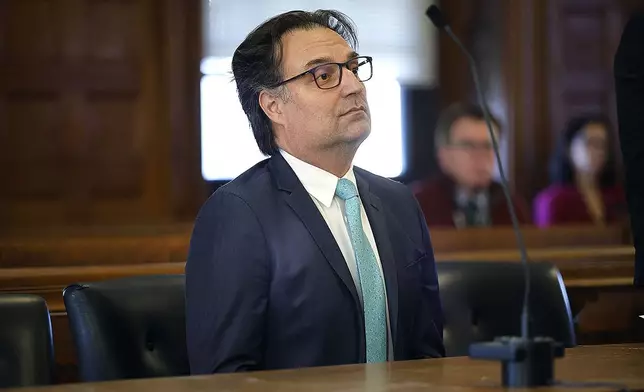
162 244
116 147
541 63
583 38
181 58
49 282
454 80
86 133
449 240
99 100
576 268
26 115
567 47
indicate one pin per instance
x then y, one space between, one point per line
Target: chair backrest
26 343
129 328
483 300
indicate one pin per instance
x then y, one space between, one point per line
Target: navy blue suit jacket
267 286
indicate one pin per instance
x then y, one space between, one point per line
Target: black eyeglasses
471 146
329 75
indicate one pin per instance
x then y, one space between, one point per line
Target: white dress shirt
482 201
321 185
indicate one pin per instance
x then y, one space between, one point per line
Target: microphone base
525 363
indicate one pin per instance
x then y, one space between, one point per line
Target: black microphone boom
436 16
526 362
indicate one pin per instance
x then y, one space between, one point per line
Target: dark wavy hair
561 167
257 62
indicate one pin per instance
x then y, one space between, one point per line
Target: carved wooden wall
556 62
87 131
583 37
99 98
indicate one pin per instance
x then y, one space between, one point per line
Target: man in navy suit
304 259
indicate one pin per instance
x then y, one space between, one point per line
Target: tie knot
345 189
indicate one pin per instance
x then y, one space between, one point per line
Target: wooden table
619 364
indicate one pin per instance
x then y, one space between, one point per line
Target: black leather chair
26 343
129 328
483 300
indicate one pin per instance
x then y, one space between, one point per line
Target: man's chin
481 185
357 132
359 137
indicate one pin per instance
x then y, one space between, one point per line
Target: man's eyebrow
352 55
325 60
318 61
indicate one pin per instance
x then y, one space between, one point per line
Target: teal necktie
369 276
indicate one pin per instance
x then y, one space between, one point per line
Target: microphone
526 361
436 16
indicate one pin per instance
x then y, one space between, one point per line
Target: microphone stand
525 361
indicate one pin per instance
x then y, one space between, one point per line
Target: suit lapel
378 223
300 201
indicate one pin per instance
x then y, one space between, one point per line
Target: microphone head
436 16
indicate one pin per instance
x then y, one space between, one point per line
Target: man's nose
350 82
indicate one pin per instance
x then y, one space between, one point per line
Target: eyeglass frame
470 146
345 64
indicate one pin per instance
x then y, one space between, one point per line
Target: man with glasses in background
304 259
464 193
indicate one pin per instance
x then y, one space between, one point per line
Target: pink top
564 204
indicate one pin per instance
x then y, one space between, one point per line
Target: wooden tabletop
620 364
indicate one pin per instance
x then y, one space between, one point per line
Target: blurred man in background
464 193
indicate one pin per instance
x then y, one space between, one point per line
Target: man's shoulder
248 181
382 185
634 31
249 187
630 53
432 185
636 21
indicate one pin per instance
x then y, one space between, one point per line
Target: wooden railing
110 246
596 264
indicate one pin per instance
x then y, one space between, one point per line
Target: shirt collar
318 183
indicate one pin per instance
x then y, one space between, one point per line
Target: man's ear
272 105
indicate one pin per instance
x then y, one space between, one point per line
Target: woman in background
583 176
